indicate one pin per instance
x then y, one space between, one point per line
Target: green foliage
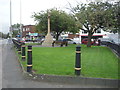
60 22
16 26
2 35
15 32
15 29
116 13
94 16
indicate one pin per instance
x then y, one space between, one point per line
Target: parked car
93 41
14 38
43 39
106 40
70 41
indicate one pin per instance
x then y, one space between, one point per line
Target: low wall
113 46
91 82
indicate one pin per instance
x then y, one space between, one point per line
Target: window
23 29
26 29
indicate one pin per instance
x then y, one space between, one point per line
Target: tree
116 11
114 22
94 16
3 35
15 29
60 22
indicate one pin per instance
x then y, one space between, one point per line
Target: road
115 38
0 64
12 76
2 43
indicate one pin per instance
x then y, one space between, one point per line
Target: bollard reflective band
77 68
23 56
18 43
29 65
29 50
78 52
19 51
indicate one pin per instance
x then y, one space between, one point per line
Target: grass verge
97 61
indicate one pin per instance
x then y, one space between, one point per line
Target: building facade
27 29
81 35
98 34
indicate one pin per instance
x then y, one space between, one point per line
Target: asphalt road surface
0 64
115 38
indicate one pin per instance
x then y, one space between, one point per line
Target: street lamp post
10 21
20 21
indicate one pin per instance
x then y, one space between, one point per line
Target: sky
28 7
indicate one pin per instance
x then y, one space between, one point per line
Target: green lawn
97 61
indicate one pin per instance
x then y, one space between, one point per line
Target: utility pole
10 22
20 21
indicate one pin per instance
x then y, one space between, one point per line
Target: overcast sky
27 9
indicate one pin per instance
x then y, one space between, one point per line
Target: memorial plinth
48 40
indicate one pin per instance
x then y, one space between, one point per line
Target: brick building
28 29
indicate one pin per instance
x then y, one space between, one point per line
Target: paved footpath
0 65
12 76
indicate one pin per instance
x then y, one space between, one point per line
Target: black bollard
16 45
66 44
19 48
78 61
61 45
29 59
53 44
99 42
23 52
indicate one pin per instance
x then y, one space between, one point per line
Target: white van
77 40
